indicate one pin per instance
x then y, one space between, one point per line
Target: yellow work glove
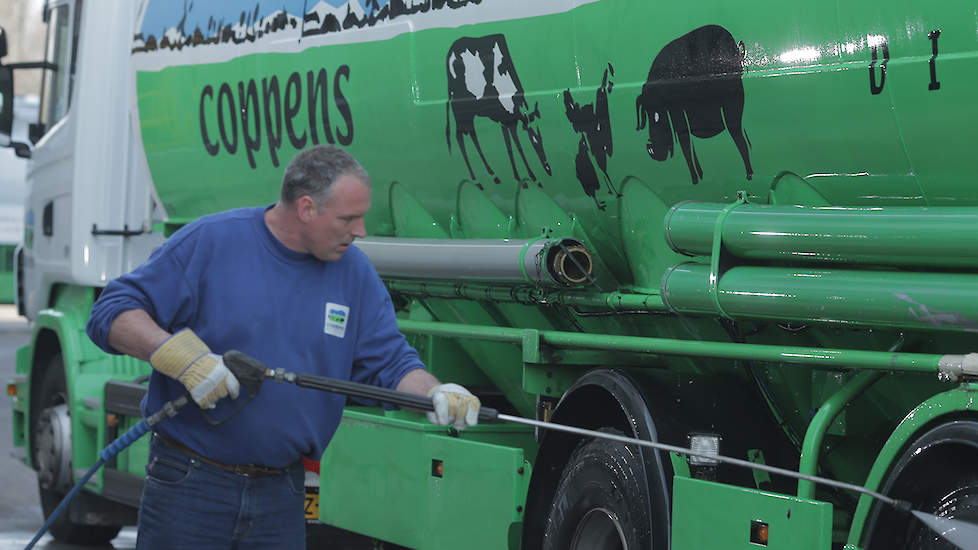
187 358
453 405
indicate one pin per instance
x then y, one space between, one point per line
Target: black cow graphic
594 124
483 82
695 85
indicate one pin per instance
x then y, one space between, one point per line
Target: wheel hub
599 529
52 447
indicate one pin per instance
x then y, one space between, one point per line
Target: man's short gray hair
314 171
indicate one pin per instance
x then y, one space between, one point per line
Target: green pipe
928 301
826 358
890 235
822 420
607 301
459 330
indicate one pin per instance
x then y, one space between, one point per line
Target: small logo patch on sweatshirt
336 316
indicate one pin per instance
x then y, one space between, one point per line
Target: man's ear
306 208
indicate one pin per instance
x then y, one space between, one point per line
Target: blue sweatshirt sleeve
382 355
158 287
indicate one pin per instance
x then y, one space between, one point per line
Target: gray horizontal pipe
540 260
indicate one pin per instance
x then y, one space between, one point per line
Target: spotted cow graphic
694 88
482 82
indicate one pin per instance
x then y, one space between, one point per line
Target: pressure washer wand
366 391
419 402
961 533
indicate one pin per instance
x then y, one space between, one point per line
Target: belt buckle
252 470
243 470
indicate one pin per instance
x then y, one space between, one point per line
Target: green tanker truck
740 226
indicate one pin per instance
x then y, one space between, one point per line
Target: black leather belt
250 470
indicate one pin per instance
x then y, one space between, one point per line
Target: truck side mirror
6 94
6 103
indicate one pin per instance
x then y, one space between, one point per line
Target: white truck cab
89 211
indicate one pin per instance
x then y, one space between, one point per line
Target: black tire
53 392
599 503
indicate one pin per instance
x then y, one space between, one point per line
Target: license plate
312 503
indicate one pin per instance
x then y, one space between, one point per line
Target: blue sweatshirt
238 287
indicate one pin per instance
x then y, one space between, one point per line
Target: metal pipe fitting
952 368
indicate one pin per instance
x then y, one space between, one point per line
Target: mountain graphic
166 24
324 17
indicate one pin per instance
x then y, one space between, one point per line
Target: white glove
453 405
187 358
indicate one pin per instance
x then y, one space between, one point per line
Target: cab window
56 83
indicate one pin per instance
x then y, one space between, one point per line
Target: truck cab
89 212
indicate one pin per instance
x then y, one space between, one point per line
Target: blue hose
142 428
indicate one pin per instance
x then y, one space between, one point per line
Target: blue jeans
188 503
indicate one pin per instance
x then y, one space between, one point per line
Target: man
285 285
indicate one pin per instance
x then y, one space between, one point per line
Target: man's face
329 231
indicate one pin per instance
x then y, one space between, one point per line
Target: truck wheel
51 437
599 503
